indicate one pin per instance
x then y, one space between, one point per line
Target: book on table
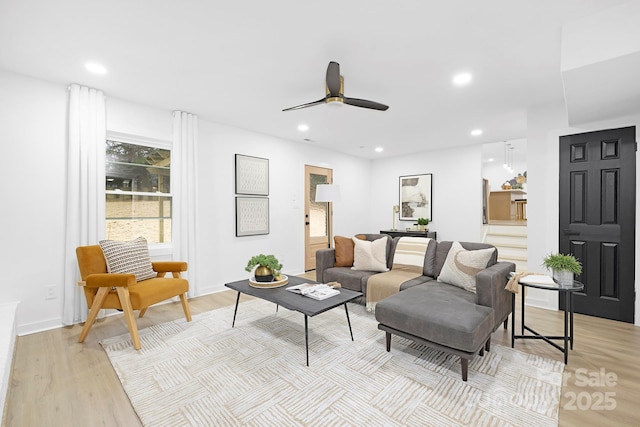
538 279
317 291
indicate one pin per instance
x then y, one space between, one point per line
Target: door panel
597 218
318 215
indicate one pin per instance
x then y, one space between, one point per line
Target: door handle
570 233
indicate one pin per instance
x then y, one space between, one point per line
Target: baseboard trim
9 312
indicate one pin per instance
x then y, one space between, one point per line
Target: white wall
222 256
138 120
542 192
34 117
602 36
32 216
456 195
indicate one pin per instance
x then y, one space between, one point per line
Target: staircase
511 241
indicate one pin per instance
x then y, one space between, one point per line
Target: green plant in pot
423 223
564 267
268 267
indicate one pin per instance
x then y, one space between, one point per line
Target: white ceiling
240 63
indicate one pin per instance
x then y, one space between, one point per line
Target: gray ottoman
441 316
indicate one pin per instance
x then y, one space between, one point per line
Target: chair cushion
128 257
149 292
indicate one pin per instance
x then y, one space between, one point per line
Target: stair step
512 258
508 245
490 233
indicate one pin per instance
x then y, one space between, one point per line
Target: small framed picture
415 197
252 175
252 216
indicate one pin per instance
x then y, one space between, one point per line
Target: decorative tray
266 285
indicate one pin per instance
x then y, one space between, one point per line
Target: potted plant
268 267
423 223
564 267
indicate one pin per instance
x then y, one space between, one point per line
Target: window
138 192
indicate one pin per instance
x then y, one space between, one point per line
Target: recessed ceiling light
461 79
303 128
95 68
476 132
379 149
490 159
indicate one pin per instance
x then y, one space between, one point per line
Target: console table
412 233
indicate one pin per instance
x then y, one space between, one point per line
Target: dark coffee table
292 301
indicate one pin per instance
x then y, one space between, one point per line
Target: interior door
317 215
597 218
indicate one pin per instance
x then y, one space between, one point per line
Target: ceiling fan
335 93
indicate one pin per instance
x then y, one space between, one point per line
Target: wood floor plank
57 381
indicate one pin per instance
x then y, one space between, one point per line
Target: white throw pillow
461 266
370 256
128 257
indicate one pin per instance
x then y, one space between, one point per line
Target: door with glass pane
317 215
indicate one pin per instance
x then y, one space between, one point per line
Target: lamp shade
327 193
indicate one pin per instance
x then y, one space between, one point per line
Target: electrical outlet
50 292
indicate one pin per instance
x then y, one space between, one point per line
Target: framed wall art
252 216
252 175
415 197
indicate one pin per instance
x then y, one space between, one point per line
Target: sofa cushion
128 257
430 259
415 282
390 244
439 313
442 250
370 256
356 280
461 266
344 251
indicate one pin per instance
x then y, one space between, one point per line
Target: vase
563 277
263 274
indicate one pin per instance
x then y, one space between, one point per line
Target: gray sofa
434 313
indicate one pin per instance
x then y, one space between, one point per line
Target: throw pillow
370 256
128 257
344 251
461 266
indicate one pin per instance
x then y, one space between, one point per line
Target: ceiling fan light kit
335 93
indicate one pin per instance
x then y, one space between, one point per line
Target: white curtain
184 190
85 190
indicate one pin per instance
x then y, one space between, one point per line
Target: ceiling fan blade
310 104
333 79
365 104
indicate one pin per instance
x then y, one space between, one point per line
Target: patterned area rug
207 373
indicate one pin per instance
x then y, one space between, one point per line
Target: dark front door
597 218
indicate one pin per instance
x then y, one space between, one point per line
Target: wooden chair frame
98 284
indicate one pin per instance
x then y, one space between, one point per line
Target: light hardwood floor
57 381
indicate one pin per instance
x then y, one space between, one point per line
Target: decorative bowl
267 285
